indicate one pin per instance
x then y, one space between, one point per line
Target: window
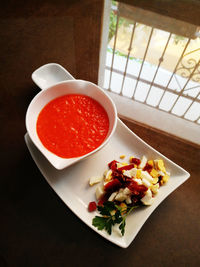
152 70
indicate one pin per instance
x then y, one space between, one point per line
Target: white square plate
71 184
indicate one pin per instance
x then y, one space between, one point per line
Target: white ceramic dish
50 74
71 184
50 78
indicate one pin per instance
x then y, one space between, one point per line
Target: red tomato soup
72 125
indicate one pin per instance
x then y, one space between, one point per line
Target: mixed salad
124 187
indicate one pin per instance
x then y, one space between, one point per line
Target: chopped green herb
111 214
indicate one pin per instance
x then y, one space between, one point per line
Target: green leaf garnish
111 214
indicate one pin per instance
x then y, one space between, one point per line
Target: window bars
176 91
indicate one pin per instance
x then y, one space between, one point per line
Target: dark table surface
36 227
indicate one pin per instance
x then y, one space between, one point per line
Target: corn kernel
130 159
150 162
154 188
122 156
138 173
165 178
160 165
155 180
154 173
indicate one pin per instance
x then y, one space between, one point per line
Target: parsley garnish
111 214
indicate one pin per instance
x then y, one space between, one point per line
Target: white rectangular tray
71 184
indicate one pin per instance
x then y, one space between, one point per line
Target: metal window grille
176 91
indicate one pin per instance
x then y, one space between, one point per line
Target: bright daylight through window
150 66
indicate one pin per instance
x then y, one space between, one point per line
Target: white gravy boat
55 81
